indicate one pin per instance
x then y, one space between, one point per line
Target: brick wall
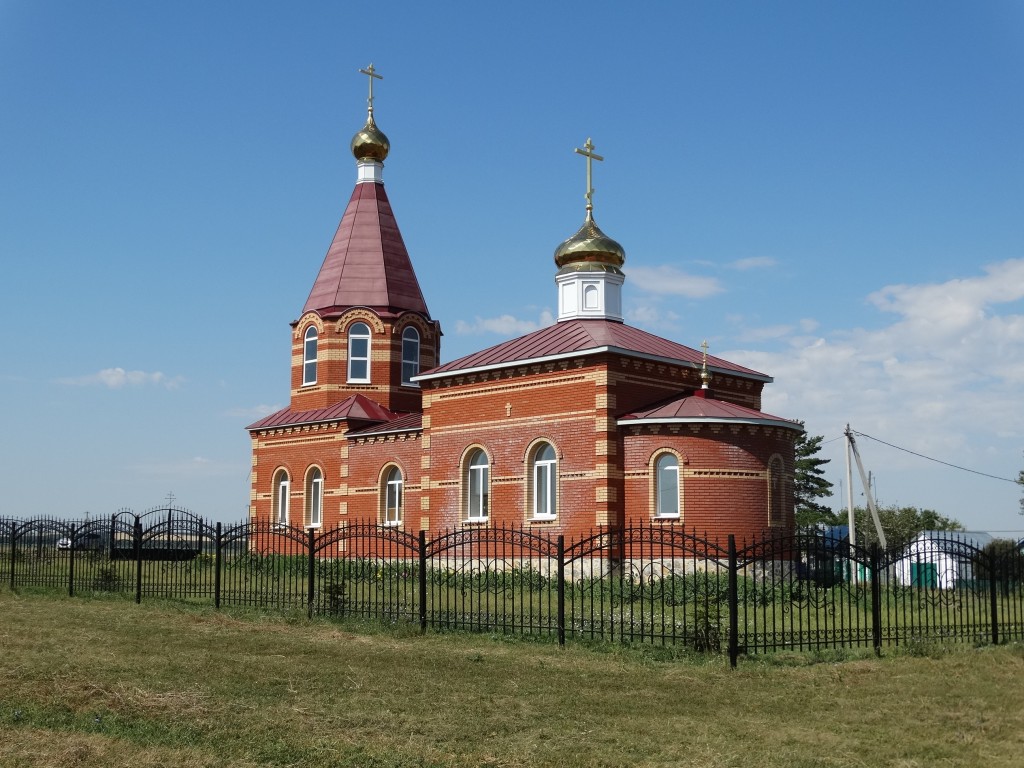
604 472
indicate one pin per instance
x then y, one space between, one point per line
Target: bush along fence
656 584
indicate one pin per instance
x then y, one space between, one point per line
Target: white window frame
410 356
359 331
478 476
393 496
281 495
666 470
308 360
544 474
315 498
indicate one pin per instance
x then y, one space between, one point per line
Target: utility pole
849 503
851 447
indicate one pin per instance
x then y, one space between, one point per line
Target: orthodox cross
704 375
588 152
170 499
372 74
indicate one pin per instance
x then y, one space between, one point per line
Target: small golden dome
591 245
370 143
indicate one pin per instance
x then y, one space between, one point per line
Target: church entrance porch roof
352 408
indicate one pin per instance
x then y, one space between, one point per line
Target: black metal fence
653 584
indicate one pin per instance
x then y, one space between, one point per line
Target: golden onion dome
370 143
590 246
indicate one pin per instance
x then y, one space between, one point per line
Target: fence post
876 601
423 581
561 589
216 570
14 539
993 595
311 572
71 563
138 561
734 613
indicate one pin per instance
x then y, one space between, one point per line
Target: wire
937 461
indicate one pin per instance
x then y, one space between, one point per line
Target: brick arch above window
360 315
425 327
307 320
534 445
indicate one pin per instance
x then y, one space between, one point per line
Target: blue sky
829 193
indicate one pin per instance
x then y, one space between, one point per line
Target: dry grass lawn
110 683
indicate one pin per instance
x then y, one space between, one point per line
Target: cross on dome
588 152
705 376
370 146
371 73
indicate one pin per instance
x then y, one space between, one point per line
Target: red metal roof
702 408
407 422
352 408
367 263
575 337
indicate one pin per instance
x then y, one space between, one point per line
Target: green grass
105 682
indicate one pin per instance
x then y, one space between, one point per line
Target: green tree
900 524
809 483
1020 482
1008 560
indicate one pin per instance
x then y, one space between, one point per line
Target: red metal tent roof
573 337
367 263
699 407
406 422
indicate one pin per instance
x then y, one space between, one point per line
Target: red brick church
584 424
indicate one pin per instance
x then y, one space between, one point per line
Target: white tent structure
940 559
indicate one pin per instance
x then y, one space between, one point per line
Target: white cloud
190 468
669 280
755 262
117 378
943 379
255 412
766 332
747 333
503 325
652 317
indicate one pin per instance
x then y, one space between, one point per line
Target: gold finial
588 152
372 74
705 376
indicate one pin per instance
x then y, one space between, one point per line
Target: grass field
105 682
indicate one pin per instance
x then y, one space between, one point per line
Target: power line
937 461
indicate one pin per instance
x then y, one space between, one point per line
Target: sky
830 193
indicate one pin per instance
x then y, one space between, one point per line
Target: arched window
309 356
393 497
280 502
314 498
410 355
359 353
666 482
478 486
545 482
776 490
